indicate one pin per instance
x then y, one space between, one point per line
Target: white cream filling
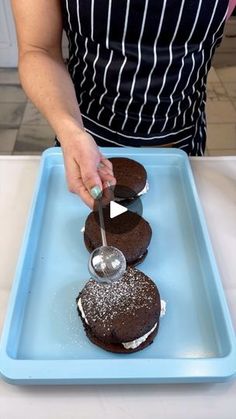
163 308
145 189
82 311
135 343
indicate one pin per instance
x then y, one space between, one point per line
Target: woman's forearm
47 82
49 86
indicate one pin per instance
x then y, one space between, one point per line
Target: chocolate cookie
131 178
121 317
129 232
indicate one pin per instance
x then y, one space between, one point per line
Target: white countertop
216 184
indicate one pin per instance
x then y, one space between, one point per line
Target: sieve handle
101 222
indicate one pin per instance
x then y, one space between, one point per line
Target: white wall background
8 48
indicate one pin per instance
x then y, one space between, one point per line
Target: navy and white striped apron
140 67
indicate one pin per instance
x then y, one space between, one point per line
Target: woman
136 76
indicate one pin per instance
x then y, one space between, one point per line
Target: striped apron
139 68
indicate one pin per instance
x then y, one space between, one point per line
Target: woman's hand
47 82
88 172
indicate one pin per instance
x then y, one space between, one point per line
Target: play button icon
116 209
120 217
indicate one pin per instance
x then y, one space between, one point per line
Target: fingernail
96 192
110 185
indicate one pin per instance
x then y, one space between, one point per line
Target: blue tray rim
17 371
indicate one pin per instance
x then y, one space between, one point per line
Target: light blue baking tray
43 341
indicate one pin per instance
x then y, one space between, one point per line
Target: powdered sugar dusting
103 302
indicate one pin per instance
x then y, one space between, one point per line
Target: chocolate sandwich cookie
128 232
121 317
131 178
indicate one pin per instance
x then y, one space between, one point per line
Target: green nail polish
96 192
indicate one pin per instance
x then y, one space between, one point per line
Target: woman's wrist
69 130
